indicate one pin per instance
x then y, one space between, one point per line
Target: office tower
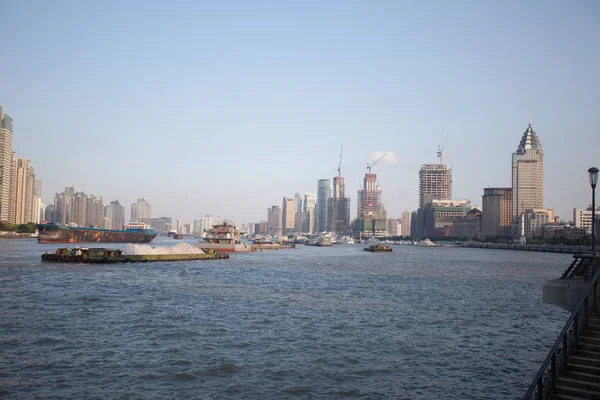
496 220
338 208
42 214
140 209
274 221
406 217
582 218
527 175
370 204
180 226
21 191
297 203
310 203
435 183
6 156
116 213
323 195
288 213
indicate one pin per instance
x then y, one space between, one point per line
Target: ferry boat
135 232
320 242
224 237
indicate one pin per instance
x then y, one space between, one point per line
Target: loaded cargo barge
109 256
135 232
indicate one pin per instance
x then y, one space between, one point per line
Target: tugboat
378 248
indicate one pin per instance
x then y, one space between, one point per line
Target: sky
225 107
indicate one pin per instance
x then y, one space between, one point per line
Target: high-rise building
42 214
21 191
203 224
49 215
288 214
338 208
140 209
496 220
36 202
63 203
310 203
298 203
323 195
527 175
116 213
370 204
274 221
180 226
406 217
6 156
435 183
88 210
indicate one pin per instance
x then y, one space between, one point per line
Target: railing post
553 383
576 326
565 349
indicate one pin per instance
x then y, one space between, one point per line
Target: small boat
378 248
177 236
346 240
425 243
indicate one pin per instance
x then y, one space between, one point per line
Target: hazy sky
224 107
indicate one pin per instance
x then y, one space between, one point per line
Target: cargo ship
135 232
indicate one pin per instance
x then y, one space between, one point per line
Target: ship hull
64 235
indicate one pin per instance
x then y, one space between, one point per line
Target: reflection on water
338 322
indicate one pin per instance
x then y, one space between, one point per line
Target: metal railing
581 262
544 383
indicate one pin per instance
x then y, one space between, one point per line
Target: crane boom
441 150
340 164
369 166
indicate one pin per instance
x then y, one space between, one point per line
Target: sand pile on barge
131 249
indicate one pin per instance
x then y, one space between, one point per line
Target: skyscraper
298 203
6 125
496 220
180 226
323 194
63 203
310 203
527 175
116 213
370 204
288 213
140 209
435 183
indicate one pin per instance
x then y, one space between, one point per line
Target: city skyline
384 82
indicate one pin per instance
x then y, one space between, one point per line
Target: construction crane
441 149
369 166
340 164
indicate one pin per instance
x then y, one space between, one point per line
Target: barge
109 256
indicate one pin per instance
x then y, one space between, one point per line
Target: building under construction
371 218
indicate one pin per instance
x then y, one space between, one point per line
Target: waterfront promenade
547 248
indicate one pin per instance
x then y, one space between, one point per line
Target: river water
310 323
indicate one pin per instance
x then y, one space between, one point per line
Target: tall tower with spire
527 174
